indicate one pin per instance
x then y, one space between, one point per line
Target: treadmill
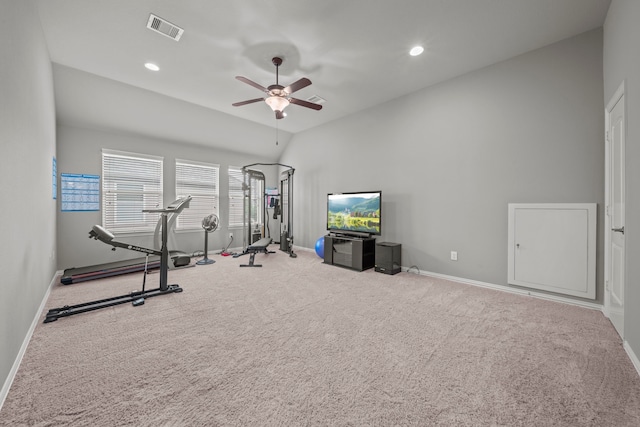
99 271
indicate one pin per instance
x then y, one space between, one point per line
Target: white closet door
552 247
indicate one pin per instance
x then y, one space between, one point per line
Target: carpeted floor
301 343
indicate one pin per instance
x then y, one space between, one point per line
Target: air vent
317 100
164 27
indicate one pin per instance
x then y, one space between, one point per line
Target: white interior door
614 294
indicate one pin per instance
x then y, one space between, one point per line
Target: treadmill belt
82 274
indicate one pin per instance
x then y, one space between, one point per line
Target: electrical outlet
230 235
454 255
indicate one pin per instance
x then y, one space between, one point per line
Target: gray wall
449 158
622 63
28 214
79 151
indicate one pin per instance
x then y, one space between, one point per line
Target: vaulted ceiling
355 52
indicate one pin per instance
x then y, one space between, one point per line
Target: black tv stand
354 252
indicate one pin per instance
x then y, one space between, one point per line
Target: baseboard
302 248
517 291
25 343
632 356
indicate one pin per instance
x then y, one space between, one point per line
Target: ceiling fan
279 97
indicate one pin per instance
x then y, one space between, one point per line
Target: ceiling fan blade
252 83
305 103
250 101
303 82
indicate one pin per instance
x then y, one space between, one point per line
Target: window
235 197
200 180
131 183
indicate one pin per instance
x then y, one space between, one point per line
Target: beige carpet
301 343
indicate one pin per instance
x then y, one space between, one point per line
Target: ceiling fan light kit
277 103
279 97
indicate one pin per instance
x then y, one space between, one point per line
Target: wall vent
164 27
317 100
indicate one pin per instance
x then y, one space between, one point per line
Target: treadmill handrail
175 207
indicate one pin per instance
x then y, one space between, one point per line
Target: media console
356 253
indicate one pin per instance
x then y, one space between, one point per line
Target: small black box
388 257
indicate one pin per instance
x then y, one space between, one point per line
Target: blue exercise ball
320 247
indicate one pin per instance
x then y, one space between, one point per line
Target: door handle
618 230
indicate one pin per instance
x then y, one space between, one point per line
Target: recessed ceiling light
416 50
151 66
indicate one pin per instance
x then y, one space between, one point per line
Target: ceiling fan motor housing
277 90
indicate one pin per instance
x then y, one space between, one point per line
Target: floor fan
209 224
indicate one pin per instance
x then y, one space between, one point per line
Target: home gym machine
255 241
136 297
252 237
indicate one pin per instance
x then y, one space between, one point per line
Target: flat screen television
355 213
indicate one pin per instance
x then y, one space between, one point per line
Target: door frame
615 98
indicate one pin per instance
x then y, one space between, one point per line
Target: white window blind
235 197
131 183
200 180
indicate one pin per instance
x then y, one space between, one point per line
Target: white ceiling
354 51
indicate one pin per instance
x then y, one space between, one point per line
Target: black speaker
388 259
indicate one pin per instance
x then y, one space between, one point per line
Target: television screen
355 212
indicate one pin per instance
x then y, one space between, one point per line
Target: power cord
412 267
224 251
